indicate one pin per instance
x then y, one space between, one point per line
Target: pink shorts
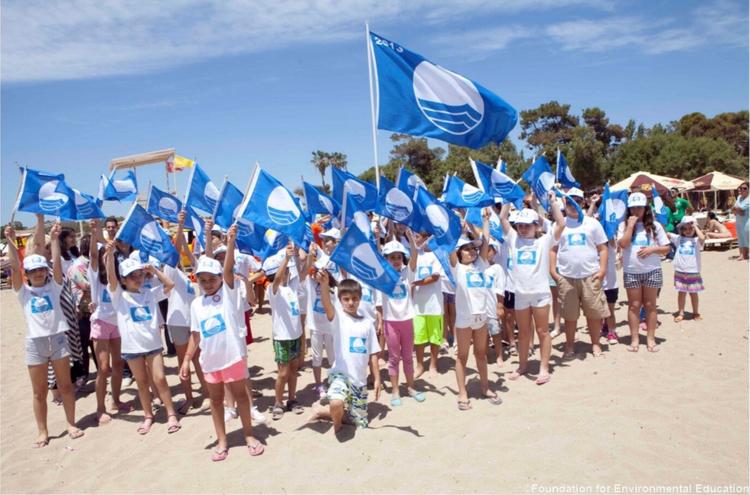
101 330
233 373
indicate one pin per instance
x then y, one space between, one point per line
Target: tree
608 134
322 160
548 126
731 127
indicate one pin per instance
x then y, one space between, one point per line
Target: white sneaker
229 413
257 416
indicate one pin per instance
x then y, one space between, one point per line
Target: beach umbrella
663 184
716 181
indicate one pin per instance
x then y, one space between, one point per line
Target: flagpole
18 196
370 62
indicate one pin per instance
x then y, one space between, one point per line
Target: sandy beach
677 417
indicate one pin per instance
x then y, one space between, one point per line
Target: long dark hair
103 267
67 254
85 245
648 221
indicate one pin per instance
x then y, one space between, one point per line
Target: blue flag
397 205
273 242
86 206
474 217
498 184
269 204
140 230
201 193
443 255
344 182
502 166
661 211
386 183
45 193
459 194
357 254
420 98
563 173
249 236
569 199
541 180
163 205
408 181
612 210
194 221
125 189
318 202
439 220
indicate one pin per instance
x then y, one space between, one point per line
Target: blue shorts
130 356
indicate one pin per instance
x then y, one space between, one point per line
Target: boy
356 344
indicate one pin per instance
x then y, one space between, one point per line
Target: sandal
679 318
516 375
417 396
464 405
542 380
103 419
40 443
293 406
256 450
493 398
145 426
632 348
277 412
395 401
76 433
173 426
653 348
569 355
220 455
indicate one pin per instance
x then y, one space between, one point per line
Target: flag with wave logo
540 178
163 205
612 210
318 202
661 211
201 193
112 189
563 173
474 217
497 184
439 220
459 194
249 236
269 204
140 230
396 204
87 206
418 97
408 181
45 193
344 182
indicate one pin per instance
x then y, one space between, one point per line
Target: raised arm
208 227
36 244
229 259
179 241
282 268
325 294
484 249
412 250
57 271
592 207
93 245
504 213
557 216
165 281
16 279
109 260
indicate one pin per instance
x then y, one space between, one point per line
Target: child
287 330
611 293
529 251
494 282
397 314
644 243
428 306
687 265
45 331
217 328
356 344
137 310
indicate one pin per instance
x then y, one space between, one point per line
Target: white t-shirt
219 320
354 341
370 299
400 306
471 294
494 282
687 257
137 318
577 255
428 299
318 322
41 305
244 264
610 280
182 295
505 261
285 309
101 297
630 260
530 263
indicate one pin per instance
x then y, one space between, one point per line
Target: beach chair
728 242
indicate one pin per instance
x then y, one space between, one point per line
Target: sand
678 417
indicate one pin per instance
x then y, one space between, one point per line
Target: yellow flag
181 162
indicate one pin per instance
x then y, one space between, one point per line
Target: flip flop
417 396
256 450
75 434
678 318
542 380
568 356
145 426
277 412
516 375
220 455
40 443
653 348
464 405
632 348
173 426
293 406
395 401
494 399
103 419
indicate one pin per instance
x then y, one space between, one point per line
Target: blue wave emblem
318 306
397 211
210 202
52 204
453 118
213 325
472 197
363 269
106 298
282 217
151 245
40 304
140 313
85 208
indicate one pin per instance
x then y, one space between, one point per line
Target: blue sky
230 83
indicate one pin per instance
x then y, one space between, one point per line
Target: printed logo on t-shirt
294 308
318 306
213 325
40 304
190 289
641 239
474 279
424 271
526 258
577 239
509 263
687 248
399 292
358 345
366 294
140 313
106 298
489 281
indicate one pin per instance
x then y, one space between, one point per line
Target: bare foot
517 374
697 317
596 351
74 432
419 371
679 317
41 441
433 372
103 418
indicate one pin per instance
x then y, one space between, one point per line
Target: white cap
465 240
128 266
575 192
394 247
217 229
332 233
495 245
527 215
220 249
272 263
686 220
136 256
208 265
34 261
513 216
637 199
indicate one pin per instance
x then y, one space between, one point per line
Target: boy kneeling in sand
356 344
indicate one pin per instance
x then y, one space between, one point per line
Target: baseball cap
332 233
394 247
34 261
129 265
465 240
527 215
575 192
686 220
637 199
208 265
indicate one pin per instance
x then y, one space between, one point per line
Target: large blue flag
612 210
438 220
386 183
399 206
459 194
502 166
540 178
195 221
250 237
318 202
474 217
163 205
497 184
572 201
140 230
408 181
269 204
661 211
201 193
86 206
125 189
344 182
357 254
420 98
563 173
443 254
45 193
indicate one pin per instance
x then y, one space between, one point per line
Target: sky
230 83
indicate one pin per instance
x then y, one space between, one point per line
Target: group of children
500 283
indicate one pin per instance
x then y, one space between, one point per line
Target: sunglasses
743 188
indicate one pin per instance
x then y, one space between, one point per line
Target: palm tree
322 160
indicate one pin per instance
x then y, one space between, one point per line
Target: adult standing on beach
741 211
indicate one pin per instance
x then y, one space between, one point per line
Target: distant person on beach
741 210
687 265
715 229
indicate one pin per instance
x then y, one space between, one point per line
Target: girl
104 331
216 324
643 244
494 281
715 229
529 252
397 314
742 211
136 309
46 327
687 265
471 315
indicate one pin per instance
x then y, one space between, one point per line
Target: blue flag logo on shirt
45 193
420 98
497 184
541 180
140 230
201 192
563 174
612 210
163 205
459 194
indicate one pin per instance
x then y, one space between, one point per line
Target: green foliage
323 160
